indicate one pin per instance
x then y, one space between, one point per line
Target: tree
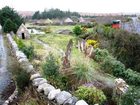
36 15
9 26
9 16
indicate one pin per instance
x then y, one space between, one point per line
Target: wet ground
5 75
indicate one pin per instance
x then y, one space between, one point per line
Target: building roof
68 20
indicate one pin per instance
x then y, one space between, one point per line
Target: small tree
51 66
77 30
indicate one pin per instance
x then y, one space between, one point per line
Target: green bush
132 77
131 97
51 66
91 95
112 66
22 80
100 54
77 30
47 30
27 50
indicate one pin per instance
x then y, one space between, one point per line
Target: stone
81 102
37 80
71 101
52 94
40 82
62 97
29 68
64 31
34 76
47 89
42 86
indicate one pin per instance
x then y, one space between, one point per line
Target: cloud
95 6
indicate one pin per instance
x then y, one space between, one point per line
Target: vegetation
131 97
28 50
54 13
51 66
22 80
91 94
77 30
10 20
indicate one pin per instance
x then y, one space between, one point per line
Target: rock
64 31
42 86
29 68
40 82
47 89
62 97
81 102
37 80
53 93
71 101
34 76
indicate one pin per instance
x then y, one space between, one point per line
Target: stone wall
40 85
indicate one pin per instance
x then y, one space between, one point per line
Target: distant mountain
26 13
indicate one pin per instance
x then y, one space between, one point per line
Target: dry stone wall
40 84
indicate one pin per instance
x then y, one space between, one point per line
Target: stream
5 79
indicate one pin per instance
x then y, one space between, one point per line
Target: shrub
47 30
132 77
94 43
100 54
77 30
131 97
29 51
51 66
91 95
22 80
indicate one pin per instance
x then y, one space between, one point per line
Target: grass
59 41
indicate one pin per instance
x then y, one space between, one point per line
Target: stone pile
39 83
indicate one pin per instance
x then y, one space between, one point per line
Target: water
133 26
4 74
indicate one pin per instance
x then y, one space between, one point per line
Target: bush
47 30
131 97
22 80
51 66
91 95
100 55
27 50
132 77
77 30
94 43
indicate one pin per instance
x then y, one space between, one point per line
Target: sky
91 6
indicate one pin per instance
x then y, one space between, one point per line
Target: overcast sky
92 6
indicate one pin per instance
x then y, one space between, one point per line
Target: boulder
37 80
71 101
52 94
42 86
40 82
34 76
62 97
47 89
64 31
81 102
